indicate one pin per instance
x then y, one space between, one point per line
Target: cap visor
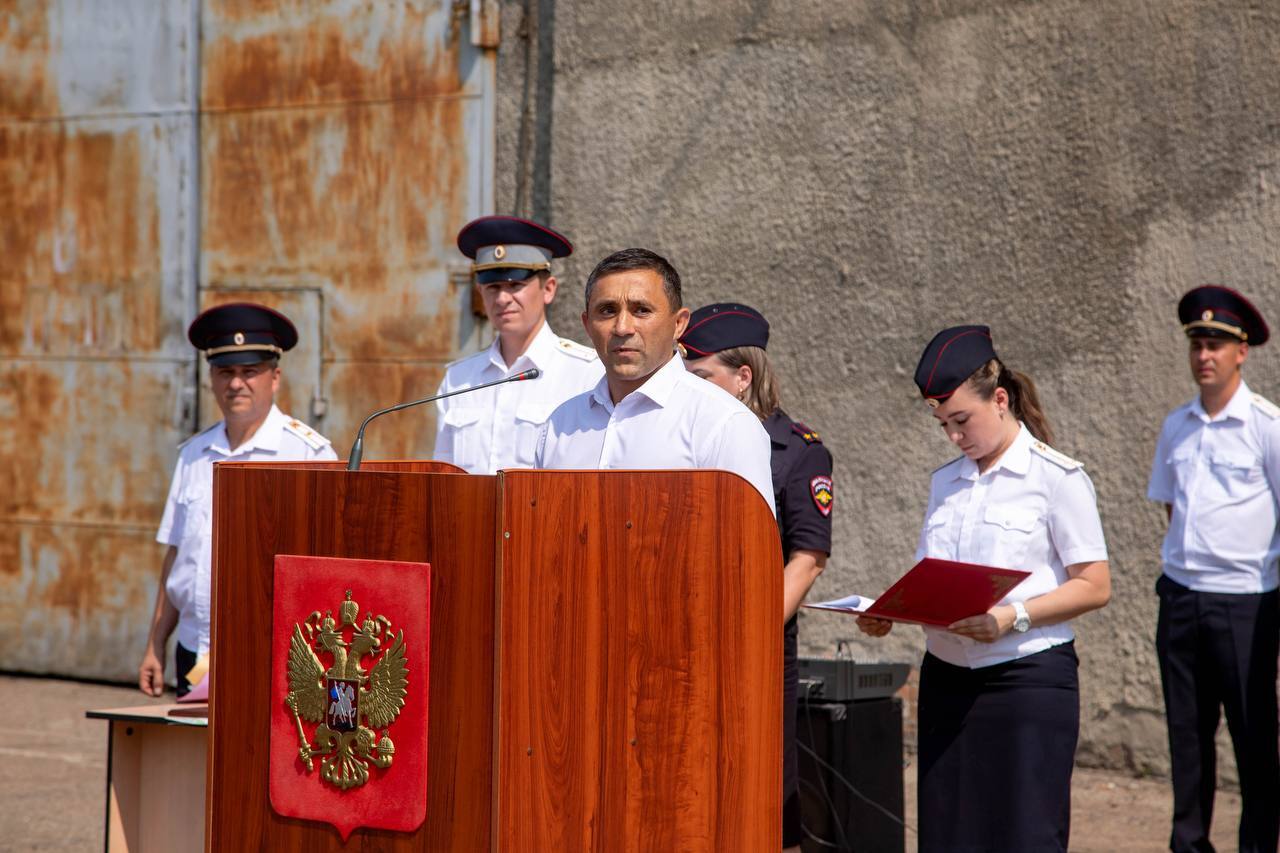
1211 332
503 274
226 359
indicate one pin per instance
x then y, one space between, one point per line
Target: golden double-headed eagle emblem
1001 584
349 703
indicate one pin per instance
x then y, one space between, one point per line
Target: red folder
940 592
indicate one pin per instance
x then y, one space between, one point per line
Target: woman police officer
725 344
999 693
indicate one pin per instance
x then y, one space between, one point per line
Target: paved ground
1116 813
54 765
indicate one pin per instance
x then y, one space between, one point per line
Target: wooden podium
606 653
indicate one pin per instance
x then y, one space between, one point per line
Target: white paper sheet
848 604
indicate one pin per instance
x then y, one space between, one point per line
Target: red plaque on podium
349 676
940 592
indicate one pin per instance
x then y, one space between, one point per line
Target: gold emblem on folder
349 703
1001 584
895 603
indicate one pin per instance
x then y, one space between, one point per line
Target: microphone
357 449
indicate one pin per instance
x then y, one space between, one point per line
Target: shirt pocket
195 508
1007 535
938 537
1237 474
530 417
457 418
461 424
1182 463
535 413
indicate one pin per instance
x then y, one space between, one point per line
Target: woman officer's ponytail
1024 402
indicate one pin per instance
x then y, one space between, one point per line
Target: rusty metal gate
158 158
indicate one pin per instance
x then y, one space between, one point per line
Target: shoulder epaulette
1265 406
576 349
192 438
810 436
1055 457
313 439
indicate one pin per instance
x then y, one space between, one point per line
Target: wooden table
155 779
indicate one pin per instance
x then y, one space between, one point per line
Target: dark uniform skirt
997 745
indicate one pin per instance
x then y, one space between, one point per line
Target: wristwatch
1021 619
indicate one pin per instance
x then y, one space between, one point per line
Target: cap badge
239 338
933 404
1207 315
684 353
499 252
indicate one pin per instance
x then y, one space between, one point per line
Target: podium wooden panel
386 511
606 653
640 663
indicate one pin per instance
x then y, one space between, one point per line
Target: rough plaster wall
867 173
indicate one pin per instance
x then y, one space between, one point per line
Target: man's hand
163 620
988 627
873 626
151 674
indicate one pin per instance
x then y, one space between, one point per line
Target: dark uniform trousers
1219 650
184 660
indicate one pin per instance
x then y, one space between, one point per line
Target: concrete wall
867 173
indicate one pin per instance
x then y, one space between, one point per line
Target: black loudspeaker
861 741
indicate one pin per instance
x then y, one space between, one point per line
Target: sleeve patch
823 496
810 436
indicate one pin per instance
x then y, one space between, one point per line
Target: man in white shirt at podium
498 427
649 412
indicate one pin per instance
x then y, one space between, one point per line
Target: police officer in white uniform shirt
1217 470
498 427
999 711
243 343
648 412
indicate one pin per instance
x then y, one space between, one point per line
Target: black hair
629 260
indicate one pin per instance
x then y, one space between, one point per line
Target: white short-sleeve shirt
188 513
673 420
1221 475
1034 510
495 428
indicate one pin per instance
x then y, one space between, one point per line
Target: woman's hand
873 626
988 627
